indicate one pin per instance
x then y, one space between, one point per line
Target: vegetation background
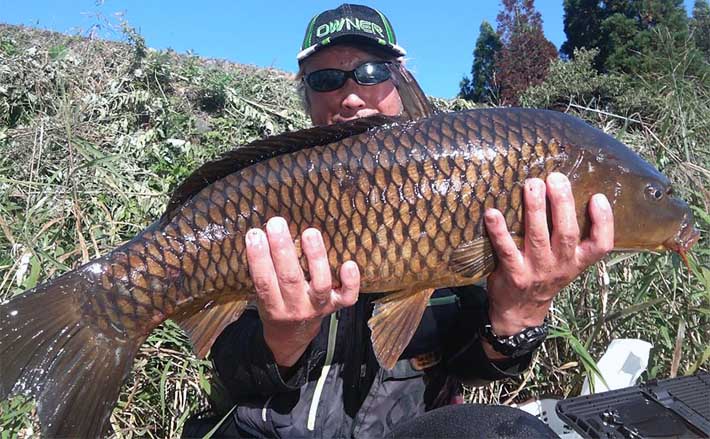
95 134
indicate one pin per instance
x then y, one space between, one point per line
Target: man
301 364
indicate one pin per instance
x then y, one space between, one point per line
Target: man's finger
508 254
349 289
601 234
565 230
286 263
537 236
318 266
262 272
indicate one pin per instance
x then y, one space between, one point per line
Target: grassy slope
93 135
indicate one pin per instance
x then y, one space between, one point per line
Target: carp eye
654 192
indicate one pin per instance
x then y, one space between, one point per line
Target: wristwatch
517 345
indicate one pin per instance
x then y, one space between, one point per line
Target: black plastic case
672 408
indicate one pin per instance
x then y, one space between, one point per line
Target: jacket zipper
359 372
266 406
332 335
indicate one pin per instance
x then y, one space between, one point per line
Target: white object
621 365
23 267
544 409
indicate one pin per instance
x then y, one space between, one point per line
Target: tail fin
73 371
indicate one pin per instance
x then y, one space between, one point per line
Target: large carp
405 200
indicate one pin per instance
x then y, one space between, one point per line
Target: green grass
94 135
88 159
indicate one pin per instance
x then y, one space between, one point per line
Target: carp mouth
686 237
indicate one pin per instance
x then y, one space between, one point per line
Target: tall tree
700 26
525 56
634 38
582 22
481 87
626 32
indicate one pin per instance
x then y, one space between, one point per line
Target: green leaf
633 309
57 52
587 361
705 277
666 336
32 279
219 424
699 362
701 213
557 332
163 380
204 382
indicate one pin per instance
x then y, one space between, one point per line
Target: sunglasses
369 73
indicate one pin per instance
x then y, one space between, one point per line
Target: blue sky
438 35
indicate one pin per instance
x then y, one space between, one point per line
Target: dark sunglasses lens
326 80
372 73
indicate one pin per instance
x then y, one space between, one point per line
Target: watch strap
515 345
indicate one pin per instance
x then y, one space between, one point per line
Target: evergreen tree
525 56
700 26
632 35
465 89
481 87
626 32
582 24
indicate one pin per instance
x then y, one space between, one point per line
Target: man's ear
414 102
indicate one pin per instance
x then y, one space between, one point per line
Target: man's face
351 100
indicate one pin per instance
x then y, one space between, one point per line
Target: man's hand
523 285
290 308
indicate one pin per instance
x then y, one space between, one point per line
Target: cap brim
395 50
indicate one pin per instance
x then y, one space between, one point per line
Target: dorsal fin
264 149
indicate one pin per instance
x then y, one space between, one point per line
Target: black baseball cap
348 22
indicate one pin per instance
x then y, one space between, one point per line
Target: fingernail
254 237
490 216
311 236
351 268
276 225
601 201
557 179
533 183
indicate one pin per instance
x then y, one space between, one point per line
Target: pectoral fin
394 321
473 259
204 327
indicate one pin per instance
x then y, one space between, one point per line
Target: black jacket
337 389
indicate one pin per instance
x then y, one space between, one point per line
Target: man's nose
353 98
